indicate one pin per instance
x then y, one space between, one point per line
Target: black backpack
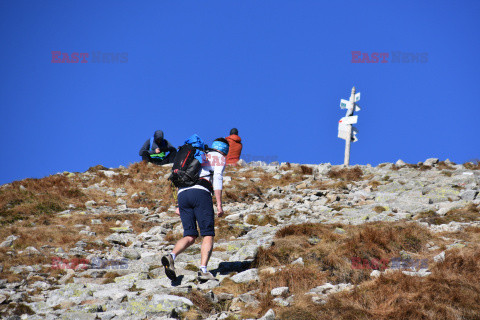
186 168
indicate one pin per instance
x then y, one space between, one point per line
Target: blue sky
276 70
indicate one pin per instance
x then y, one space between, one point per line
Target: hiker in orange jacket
235 150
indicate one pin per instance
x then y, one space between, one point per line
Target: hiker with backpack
197 173
158 150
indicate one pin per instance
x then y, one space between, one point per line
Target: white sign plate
357 97
349 120
343 132
345 104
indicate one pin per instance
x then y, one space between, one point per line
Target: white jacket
213 165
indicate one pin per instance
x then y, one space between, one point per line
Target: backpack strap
151 144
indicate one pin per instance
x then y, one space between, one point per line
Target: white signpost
345 129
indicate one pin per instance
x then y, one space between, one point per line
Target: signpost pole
348 141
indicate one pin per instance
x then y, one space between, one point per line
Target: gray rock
279 291
468 195
281 302
439 257
117 239
299 262
375 274
90 204
76 315
209 285
111 294
8 241
245 253
246 276
419 273
121 192
109 173
131 254
32 251
269 315
170 302
430 162
400 163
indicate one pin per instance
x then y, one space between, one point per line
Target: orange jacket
235 149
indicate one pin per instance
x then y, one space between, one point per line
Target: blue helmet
221 146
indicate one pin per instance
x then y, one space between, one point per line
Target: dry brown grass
173 237
109 277
374 184
346 174
379 209
466 214
451 292
261 220
442 165
248 189
224 230
333 252
33 197
472 165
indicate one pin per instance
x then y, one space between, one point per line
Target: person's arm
155 147
145 147
218 197
218 184
168 147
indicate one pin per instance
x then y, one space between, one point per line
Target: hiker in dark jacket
158 150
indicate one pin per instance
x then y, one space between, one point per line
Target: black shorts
196 206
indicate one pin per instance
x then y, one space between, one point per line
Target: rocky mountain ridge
297 242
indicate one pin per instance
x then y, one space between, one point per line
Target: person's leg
206 251
146 156
169 158
183 244
206 222
190 233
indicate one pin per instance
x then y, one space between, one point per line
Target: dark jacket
158 142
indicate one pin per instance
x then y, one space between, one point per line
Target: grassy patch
466 214
261 220
346 174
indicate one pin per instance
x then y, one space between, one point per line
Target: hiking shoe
167 262
205 276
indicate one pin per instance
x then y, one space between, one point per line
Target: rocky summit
395 241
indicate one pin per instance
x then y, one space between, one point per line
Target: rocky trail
293 244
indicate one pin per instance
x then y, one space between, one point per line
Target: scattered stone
32 251
430 162
90 204
269 315
246 276
299 262
280 291
439 257
400 163
468 195
375 274
131 254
